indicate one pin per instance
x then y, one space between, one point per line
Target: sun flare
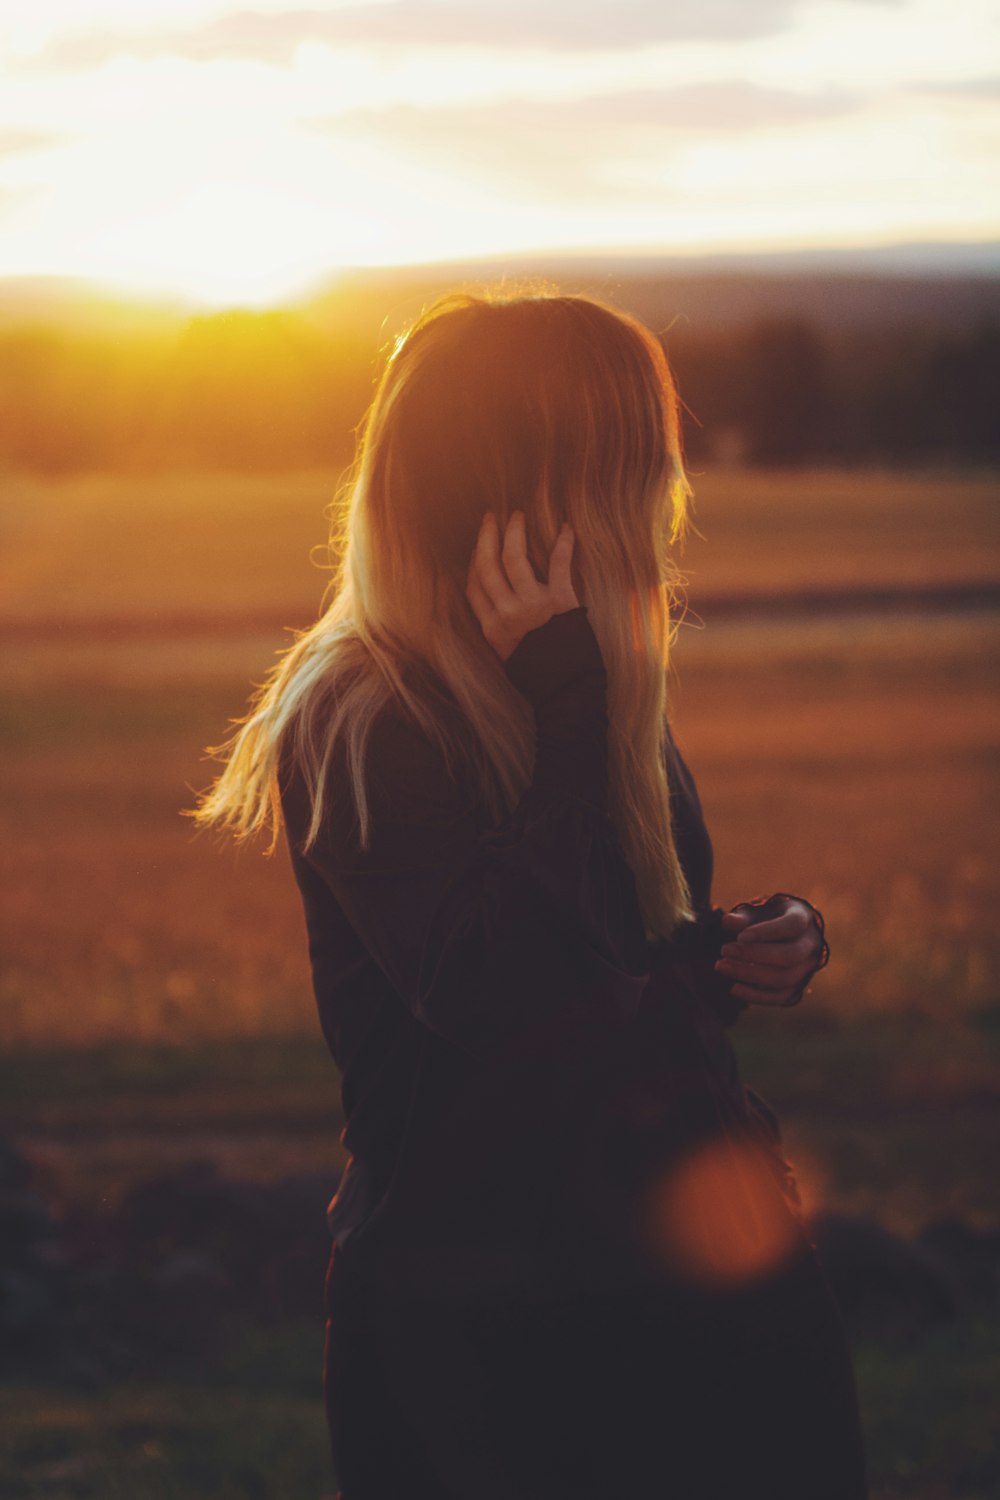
241 157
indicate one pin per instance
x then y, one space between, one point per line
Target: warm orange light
720 1215
658 608
635 620
144 152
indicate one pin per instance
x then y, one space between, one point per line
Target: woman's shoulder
410 764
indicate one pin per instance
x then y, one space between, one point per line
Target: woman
569 1258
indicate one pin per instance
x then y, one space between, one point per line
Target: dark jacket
522 1073
476 985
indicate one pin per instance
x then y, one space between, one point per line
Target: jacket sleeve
718 989
481 933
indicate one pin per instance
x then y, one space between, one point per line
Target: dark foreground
162 1277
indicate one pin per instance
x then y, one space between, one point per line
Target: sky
242 155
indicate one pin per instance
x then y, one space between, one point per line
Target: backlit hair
559 406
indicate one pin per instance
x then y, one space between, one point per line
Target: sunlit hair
556 405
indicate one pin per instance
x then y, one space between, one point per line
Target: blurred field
236 547
154 995
850 756
253 1428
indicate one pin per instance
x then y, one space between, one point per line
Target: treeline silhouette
251 390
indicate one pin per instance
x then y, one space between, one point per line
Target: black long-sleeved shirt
473 981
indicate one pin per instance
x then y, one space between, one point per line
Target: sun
224 217
224 201
224 243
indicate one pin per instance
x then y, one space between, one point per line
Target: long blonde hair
559 406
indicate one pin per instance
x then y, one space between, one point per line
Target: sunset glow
238 156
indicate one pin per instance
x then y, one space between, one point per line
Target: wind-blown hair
559 406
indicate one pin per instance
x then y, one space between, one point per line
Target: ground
154 999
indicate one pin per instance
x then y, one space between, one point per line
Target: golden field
154 996
847 755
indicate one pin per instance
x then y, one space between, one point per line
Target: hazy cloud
732 105
272 37
14 142
506 154
560 151
961 88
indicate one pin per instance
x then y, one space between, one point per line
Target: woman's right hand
773 950
506 597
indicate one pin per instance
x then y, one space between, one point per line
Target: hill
935 286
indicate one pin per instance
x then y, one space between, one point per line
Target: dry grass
238 547
869 797
775 531
853 760
856 762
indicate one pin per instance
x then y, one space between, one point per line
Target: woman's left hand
769 961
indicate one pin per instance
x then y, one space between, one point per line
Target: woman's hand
507 598
770 959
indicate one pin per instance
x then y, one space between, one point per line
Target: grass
155 999
930 1412
160 547
210 1440
887 1115
253 1428
53 1085
862 788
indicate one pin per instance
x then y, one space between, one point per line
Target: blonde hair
562 407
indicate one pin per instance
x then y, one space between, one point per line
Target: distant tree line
245 390
783 392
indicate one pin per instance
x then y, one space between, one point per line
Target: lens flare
719 1216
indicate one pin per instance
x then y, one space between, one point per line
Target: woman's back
506 1316
457 949
568 1257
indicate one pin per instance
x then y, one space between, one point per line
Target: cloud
534 147
963 88
725 106
15 142
584 25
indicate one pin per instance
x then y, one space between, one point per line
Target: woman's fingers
477 596
769 962
776 955
770 975
735 921
560 570
506 577
515 560
486 559
503 590
790 924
